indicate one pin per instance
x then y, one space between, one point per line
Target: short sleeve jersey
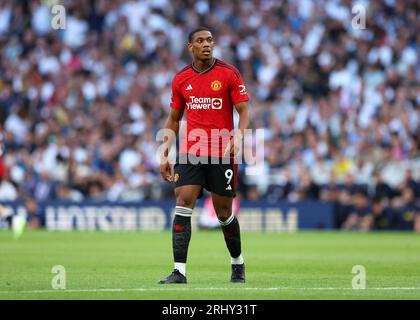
208 99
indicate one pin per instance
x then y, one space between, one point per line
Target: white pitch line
211 289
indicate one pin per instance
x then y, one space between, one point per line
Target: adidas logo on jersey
228 187
189 87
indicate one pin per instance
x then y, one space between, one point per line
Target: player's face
202 45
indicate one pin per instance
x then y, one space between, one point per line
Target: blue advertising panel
157 215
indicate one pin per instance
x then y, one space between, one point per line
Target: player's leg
232 234
188 187
221 180
186 197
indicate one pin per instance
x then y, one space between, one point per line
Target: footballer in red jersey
207 91
208 98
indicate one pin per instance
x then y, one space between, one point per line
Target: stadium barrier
157 216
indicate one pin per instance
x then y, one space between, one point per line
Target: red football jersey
208 98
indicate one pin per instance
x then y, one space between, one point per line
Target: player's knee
223 213
184 202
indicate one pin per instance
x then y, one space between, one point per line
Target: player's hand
166 172
232 148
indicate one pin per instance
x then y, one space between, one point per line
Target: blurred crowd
339 102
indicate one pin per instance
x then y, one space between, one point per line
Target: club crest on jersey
216 85
176 177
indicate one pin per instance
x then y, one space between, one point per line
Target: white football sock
238 260
181 268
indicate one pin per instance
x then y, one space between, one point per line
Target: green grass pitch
303 265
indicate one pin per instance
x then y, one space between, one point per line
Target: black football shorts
215 176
